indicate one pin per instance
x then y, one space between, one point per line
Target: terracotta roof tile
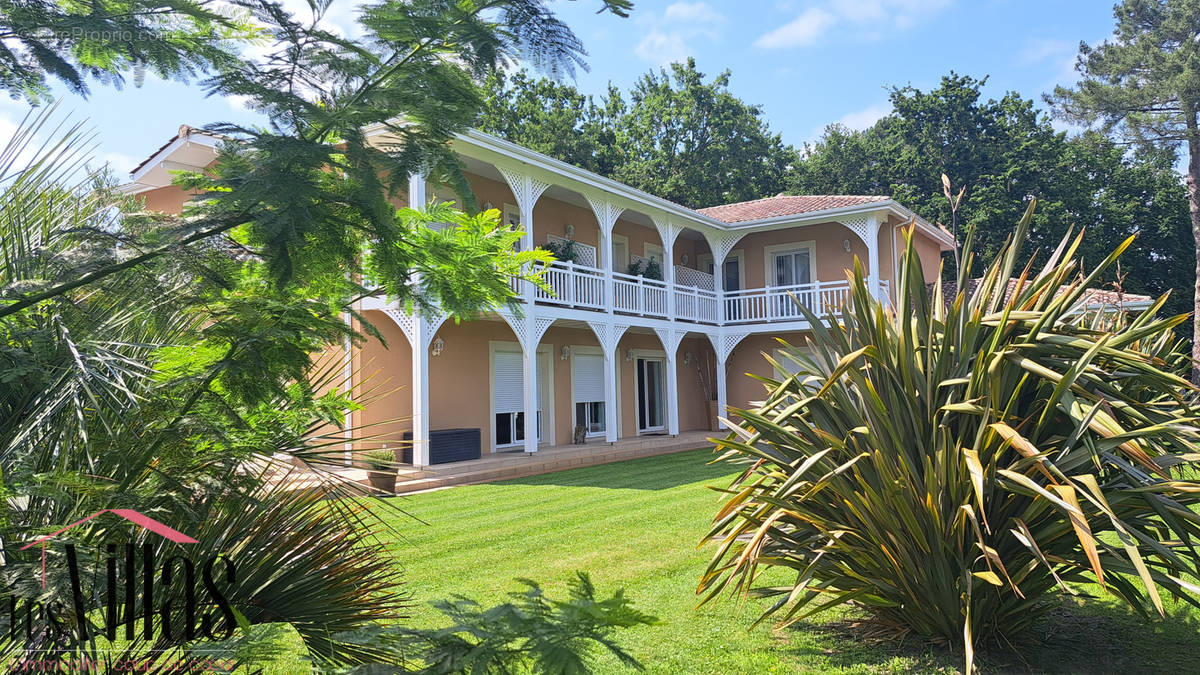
785 205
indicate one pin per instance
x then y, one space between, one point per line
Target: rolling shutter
589 378
510 392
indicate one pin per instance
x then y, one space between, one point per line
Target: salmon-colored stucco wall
460 384
169 199
748 357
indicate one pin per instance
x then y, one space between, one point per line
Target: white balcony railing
573 286
583 287
696 304
779 303
639 295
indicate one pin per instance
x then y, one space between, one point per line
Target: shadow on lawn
660 472
1096 637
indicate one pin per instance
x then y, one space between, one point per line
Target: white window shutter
589 378
509 395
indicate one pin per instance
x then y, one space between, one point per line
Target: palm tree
132 393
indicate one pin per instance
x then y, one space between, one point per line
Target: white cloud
662 48
862 119
800 32
863 19
668 38
691 12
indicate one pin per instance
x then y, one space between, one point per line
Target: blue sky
807 62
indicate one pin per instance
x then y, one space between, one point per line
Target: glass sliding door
792 268
651 388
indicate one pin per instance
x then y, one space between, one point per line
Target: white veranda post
526 190
670 342
867 229
420 353
609 336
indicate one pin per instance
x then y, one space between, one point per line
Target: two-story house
617 350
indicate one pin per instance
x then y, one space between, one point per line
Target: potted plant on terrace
381 469
564 250
647 268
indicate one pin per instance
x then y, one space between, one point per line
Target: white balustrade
583 287
573 285
779 303
639 295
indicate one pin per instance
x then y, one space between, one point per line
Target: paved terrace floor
504 465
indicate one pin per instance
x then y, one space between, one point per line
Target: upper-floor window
790 264
732 279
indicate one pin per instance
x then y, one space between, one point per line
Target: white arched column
526 190
606 217
670 339
420 331
723 344
721 243
609 335
667 233
529 331
867 229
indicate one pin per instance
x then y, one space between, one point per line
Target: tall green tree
550 117
695 143
105 40
1004 151
1144 84
677 135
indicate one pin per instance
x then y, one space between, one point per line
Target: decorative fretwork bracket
863 226
606 213
670 339
725 342
608 334
526 189
667 231
520 324
408 324
721 244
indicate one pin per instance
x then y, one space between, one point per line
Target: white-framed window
587 389
787 366
508 393
790 264
654 252
734 278
620 253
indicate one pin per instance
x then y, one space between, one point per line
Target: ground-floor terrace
528 394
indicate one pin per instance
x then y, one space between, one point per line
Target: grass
636 524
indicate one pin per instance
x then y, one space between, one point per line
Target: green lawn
635 525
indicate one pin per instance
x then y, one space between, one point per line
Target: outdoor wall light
438 345
565 353
687 358
628 354
570 231
487 206
683 259
846 245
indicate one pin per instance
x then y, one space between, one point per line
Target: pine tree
1144 84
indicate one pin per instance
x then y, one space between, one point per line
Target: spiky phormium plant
950 465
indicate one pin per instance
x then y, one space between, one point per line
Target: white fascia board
513 151
174 146
827 215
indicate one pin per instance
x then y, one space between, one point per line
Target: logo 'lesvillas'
178 608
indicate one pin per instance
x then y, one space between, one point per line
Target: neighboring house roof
1091 298
184 132
785 205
